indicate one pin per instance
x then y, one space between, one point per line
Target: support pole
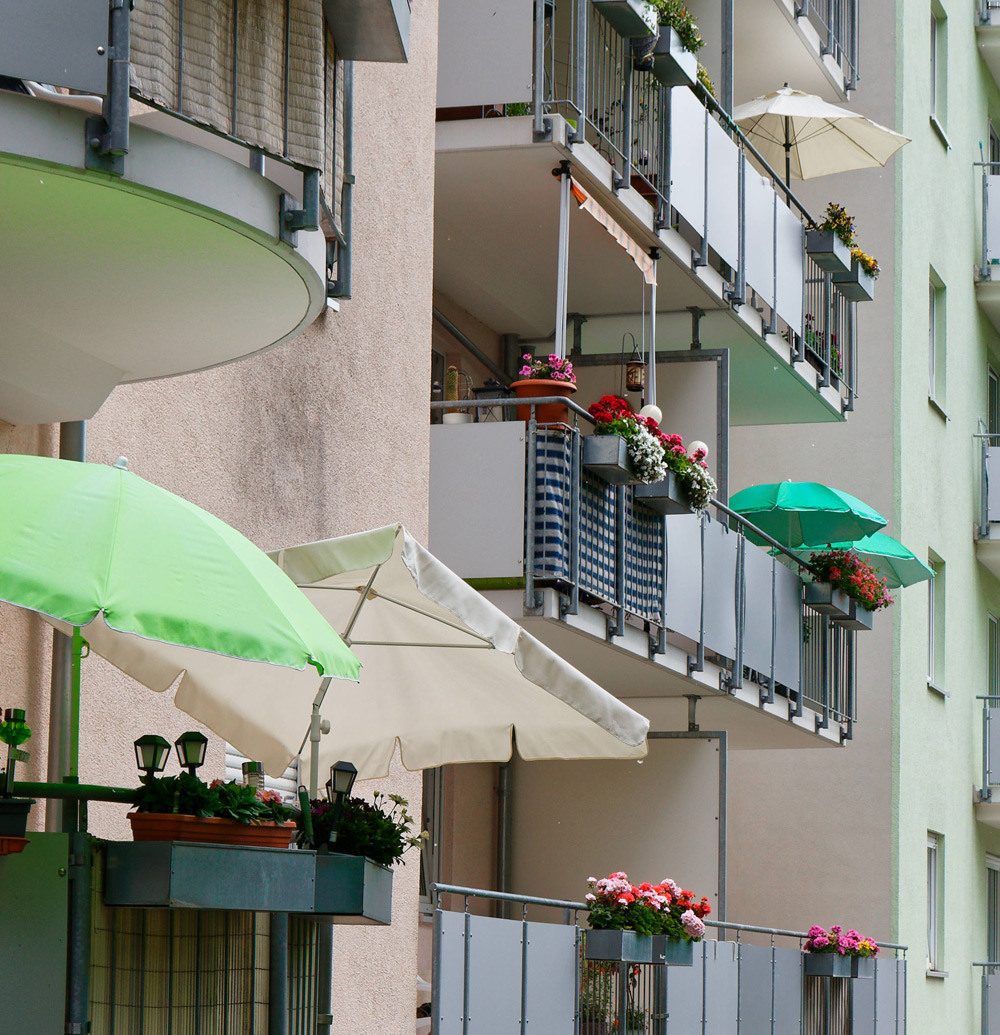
324 980
651 372
277 1006
72 446
726 79
562 269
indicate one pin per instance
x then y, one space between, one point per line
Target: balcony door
993 402
992 908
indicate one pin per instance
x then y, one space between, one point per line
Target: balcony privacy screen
253 69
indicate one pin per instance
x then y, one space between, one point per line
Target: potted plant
542 377
839 953
829 243
858 284
673 58
357 845
866 590
645 923
628 17
14 732
596 999
184 808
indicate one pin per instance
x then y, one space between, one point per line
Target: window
992 908
992 402
938 72
430 851
994 147
993 673
935 872
935 623
936 334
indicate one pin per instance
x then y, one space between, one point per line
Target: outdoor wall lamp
151 753
338 789
191 750
635 368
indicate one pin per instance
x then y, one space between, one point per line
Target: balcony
988 531
169 226
987 805
675 176
988 273
988 34
654 608
521 974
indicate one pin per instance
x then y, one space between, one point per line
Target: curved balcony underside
173 268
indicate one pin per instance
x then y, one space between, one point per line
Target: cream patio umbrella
812 137
445 673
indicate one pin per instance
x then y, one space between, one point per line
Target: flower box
832 964
353 890
673 952
14 816
825 600
665 496
828 251
170 826
859 618
539 388
673 63
855 285
620 946
607 456
628 17
209 876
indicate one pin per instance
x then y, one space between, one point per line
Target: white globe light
652 410
695 446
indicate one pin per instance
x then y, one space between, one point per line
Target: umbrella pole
316 730
788 151
74 704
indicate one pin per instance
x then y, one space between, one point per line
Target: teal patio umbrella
901 567
165 591
803 514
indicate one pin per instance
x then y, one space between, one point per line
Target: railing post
107 135
618 182
984 505
580 54
827 327
538 79
572 607
700 258
984 271
824 662
466 967
986 792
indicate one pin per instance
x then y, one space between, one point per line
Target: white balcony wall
993 219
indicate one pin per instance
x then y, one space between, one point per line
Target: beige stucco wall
319 437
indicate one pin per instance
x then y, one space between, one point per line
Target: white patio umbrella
814 138
445 673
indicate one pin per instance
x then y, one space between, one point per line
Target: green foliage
378 830
705 79
679 18
187 795
840 223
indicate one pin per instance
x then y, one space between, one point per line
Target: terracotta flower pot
538 387
12 845
168 826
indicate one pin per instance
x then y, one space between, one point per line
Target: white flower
647 455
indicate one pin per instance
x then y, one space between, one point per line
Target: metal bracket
96 137
291 220
546 135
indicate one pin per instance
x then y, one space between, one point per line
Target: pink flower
694 927
590 898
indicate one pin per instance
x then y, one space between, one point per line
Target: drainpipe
62 735
504 830
341 287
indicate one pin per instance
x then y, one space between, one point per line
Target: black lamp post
191 750
338 790
151 753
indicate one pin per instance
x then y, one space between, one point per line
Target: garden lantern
151 753
191 750
253 774
341 782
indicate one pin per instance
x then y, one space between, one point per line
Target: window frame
992 908
934 900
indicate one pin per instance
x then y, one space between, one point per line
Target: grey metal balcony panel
477 483
684 575
56 42
449 984
992 1003
993 482
721 988
494 975
790 260
788 615
863 1015
724 195
550 978
760 203
993 220
758 613
687 156
720 589
471 30
755 987
787 992
685 993
993 774
889 995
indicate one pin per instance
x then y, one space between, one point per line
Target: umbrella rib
435 618
362 597
414 643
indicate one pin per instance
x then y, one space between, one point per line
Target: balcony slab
988 40
173 268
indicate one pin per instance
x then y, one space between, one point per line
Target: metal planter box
673 952
665 496
628 17
206 876
352 889
859 619
828 251
826 600
607 456
855 285
832 964
621 946
673 63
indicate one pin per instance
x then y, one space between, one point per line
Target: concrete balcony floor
174 267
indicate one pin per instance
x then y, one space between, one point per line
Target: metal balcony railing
689 580
680 150
990 997
989 493
836 21
493 974
990 254
991 745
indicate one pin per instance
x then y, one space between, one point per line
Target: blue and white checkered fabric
552 503
643 560
597 537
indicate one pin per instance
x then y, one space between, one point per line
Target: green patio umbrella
901 567
798 514
165 591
